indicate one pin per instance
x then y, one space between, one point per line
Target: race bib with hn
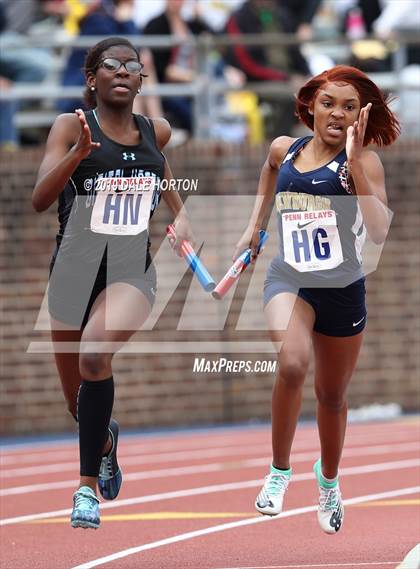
311 240
122 205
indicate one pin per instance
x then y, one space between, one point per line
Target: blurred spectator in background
18 64
76 11
213 12
357 16
270 62
176 64
264 63
300 14
107 18
371 10
385 19
216 12
103 17
8 132
9 137
399 18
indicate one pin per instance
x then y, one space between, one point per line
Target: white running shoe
85 512
330 509
270 500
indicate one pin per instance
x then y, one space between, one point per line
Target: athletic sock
77 421
322 480
94 408
286 472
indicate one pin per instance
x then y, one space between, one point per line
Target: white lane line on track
237 450
333 565
131 445
211 467
151 458
349 471
125 450
160 449
305 566
237 524
412 559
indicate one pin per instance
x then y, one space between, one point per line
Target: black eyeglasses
132 67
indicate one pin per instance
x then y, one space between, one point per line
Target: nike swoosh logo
357 323
318 181
302 225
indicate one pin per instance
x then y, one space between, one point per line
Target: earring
92 88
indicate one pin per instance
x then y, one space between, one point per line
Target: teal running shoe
110 475
331 508
85 512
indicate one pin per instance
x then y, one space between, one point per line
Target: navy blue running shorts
338 311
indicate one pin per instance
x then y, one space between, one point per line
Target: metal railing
204 89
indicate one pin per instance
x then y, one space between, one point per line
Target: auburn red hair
383 127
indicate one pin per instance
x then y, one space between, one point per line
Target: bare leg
118 312
292 338
335 360
67 364
68 367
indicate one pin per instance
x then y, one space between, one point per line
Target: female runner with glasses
105 167
329 190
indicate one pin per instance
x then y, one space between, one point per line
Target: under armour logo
129 156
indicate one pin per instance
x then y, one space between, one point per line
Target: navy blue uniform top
110 198
320 224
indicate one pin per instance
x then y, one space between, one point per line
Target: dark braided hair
93 58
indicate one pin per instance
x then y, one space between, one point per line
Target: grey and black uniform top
104 212
321 234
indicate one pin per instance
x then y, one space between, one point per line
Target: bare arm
368 178
369 182
68 143
171 196
265 192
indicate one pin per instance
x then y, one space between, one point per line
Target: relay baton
237 268
193 261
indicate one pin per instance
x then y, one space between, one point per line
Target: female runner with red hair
329 192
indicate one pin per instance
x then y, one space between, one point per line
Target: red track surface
217 475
